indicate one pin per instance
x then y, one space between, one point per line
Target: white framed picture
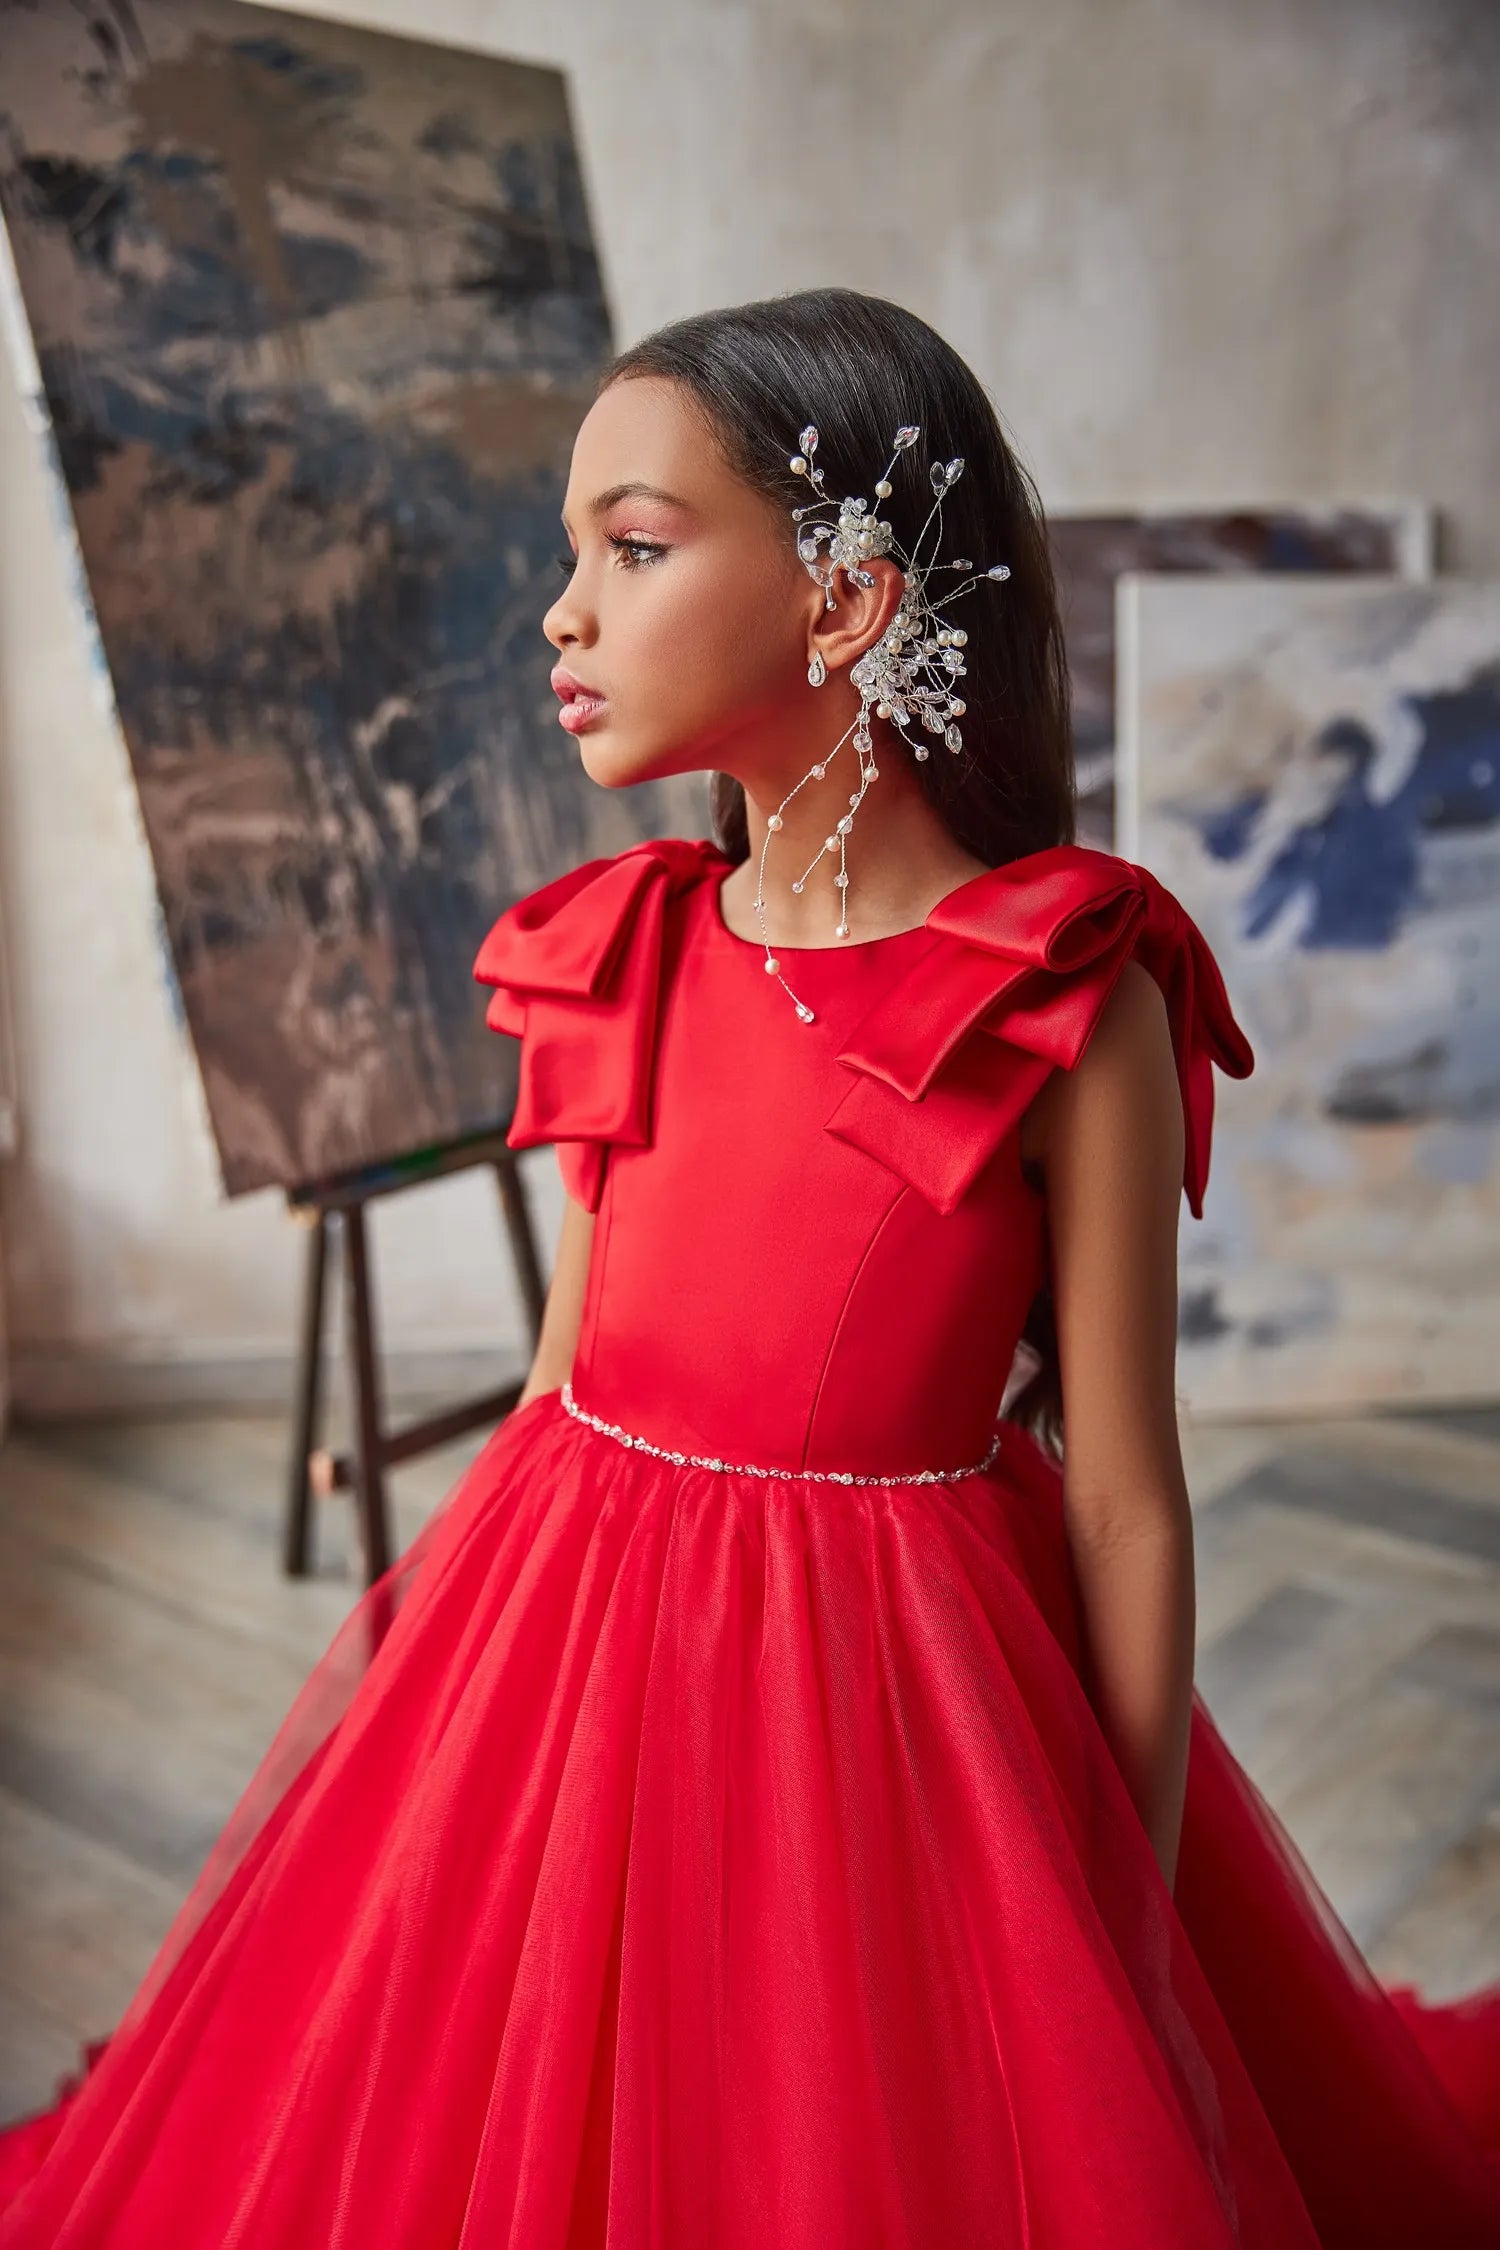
1313 766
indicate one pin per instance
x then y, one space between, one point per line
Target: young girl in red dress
768 1807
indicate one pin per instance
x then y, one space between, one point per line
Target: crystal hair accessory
908 677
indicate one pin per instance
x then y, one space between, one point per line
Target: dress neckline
842 945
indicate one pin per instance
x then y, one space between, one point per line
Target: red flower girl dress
702 1837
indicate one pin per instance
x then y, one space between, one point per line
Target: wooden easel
339 1205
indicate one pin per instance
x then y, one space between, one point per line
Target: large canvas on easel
1314 768
317 313
1092 552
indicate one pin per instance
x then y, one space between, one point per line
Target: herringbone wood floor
1349 1648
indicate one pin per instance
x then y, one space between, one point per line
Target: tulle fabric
666 1858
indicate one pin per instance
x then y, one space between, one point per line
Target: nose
565 623
561 622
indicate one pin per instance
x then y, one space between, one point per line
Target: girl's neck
901 856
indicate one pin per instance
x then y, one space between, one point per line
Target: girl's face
687 623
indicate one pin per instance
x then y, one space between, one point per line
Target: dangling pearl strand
837 842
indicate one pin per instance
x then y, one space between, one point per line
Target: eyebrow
634 489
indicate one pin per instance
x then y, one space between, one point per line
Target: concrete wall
1198 250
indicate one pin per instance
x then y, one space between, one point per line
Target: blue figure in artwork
1359 862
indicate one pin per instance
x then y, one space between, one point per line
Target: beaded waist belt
752 1469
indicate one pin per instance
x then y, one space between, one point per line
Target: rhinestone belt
752 1469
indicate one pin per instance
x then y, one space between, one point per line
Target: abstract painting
1091 552
1314 768
317 313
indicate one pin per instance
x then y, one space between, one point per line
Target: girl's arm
1109 1140
552 1362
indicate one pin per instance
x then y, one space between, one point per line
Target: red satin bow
577 965
1042 942
1040 946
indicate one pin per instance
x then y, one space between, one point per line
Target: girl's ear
859 616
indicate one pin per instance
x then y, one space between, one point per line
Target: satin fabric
671 1857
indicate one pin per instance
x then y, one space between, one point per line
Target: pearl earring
817 671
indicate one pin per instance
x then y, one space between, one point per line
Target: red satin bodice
815 1246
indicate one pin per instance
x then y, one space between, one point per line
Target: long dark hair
859 367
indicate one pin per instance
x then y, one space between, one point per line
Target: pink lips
580 705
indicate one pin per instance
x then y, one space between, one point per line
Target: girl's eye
634 553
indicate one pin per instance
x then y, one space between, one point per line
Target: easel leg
369 1489
515 1204
307 1406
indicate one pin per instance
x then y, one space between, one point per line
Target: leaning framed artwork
1092 551
316 314
1314 768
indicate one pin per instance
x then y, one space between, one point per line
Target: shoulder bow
946 1062
577 968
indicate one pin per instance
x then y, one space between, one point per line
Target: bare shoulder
1126 1077
1132 1032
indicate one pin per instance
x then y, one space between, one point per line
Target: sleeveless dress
702 1838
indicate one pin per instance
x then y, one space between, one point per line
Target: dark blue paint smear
309 73
1359 862
1227 829
89 204
532 249
1293 546
442 588
1200 1316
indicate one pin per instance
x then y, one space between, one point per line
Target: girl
768 1805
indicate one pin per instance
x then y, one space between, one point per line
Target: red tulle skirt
660 1857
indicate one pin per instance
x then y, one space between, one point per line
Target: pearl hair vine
908 677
